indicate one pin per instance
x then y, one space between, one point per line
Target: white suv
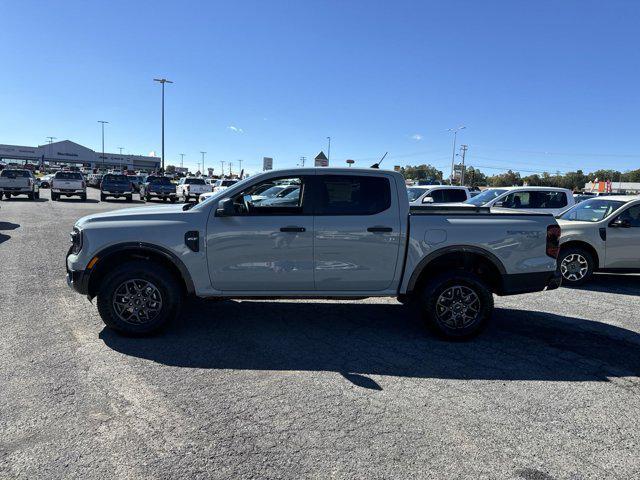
600 234
550 200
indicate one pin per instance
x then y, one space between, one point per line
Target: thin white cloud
416 136
233 128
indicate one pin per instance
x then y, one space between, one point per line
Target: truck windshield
68 176
592 210
485 197
14 174
414 193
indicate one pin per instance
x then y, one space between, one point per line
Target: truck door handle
293 229
379 229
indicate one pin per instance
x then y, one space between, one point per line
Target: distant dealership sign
267 163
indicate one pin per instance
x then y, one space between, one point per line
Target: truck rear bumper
513 284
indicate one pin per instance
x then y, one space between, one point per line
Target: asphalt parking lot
307 389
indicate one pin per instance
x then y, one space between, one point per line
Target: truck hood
569 225
135 214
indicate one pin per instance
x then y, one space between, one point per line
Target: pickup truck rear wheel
456 304
576 266
139 298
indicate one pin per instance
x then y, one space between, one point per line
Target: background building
69 153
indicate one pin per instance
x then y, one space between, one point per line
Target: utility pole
162 81
102 122
453 154
302 160
222 171
230 165
329 149
240 167
203 162
463 152
182 160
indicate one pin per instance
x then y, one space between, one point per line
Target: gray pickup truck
18 182
350 234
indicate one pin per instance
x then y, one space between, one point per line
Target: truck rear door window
352 195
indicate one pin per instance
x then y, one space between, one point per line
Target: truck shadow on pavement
356 340
25 199
621 284
6 226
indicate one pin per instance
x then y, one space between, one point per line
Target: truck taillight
553 241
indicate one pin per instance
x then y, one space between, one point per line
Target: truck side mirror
427 199
225 208
620 223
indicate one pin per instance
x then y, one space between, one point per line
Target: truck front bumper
516 283
78 281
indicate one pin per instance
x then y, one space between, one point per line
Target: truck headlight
76 240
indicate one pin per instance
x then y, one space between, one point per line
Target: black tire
467 294
102 198
83 197
169 294
576 266
7 196
54 197
36 196
30 196
164 199
173 199
147 198
129 198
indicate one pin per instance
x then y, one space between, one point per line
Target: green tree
507 179
171 169
421 172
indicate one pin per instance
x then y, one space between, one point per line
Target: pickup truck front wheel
576 266
139 298
456 304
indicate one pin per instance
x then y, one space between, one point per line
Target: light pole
222 171
51 139
182 160
329 149
453 155
203 162
102 122
162 81
240 167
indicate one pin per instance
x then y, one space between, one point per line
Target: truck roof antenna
377 165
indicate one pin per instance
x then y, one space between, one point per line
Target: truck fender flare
156 249
495 261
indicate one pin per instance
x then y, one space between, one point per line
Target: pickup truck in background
601 234
68 184
192 187
156 186
116 185
349 234
18 182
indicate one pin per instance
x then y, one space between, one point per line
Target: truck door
357 232
623 240
267 245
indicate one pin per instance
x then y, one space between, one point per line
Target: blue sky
544 85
